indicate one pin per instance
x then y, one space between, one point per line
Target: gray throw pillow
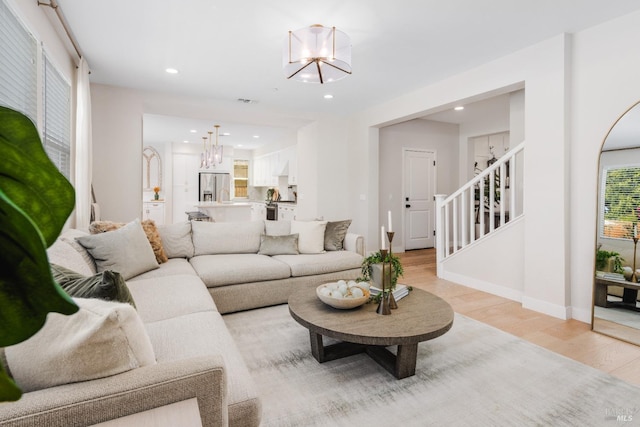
176 239
279 245
334 235
125 250
107 285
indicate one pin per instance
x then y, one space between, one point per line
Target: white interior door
419 205
185 184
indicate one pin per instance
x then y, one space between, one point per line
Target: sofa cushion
64 254
172 267
107 285
221 270
166 297
328 262
277 228
70 237
279 245
125 250
311 240
334 235
211 238
176 239
102 339
204 333
150 230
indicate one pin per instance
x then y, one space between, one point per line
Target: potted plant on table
372 270
35 202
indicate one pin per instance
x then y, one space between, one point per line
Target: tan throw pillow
103 338
125 250
279 245
311 236
149 227
334 235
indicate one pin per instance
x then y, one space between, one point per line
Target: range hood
285 169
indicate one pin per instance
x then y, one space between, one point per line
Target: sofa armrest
149 387
354 243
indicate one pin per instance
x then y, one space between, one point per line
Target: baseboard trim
581 314
545 307
481 285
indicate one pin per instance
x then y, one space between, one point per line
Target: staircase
492 201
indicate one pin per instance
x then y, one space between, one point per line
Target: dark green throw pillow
107 285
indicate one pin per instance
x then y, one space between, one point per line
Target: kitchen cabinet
286 213
265 170
154 211
258 211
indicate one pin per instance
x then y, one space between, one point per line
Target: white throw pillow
125 250
311 236
103 338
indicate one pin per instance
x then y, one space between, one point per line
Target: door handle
407 206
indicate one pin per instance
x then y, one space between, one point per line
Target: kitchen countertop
208 205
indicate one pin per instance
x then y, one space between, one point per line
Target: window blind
620 202
18 73
57 118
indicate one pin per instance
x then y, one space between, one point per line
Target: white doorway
419 198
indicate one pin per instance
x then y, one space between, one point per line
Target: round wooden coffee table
420 316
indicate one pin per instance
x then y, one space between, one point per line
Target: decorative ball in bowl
344 294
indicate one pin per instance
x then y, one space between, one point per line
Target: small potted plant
609 261
156 195
372 270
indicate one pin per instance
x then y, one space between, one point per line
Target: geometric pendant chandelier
317 54
211 154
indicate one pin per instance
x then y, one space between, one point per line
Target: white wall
419 134
542 69
605 85
117 151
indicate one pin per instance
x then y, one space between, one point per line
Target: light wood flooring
570 338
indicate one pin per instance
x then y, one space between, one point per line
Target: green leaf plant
35 202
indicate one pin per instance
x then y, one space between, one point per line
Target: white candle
390 226
383 239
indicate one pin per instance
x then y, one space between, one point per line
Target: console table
629 296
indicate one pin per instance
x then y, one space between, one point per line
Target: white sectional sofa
212 268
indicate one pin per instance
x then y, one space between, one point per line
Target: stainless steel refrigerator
214 187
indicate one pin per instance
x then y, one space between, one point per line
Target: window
620 206
18 73
240 177
57 118
19 88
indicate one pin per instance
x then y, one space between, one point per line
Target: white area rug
474 375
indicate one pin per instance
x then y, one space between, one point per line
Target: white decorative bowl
342 303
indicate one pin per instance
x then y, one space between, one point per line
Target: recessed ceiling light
171 71
239 145
225 134
256 136
185 141
193 131
328 96
459 108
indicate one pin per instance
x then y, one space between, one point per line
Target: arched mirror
616 309
151 169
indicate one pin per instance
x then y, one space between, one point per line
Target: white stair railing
478 208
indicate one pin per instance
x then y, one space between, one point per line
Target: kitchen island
226 211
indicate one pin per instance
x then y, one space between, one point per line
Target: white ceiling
228 50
